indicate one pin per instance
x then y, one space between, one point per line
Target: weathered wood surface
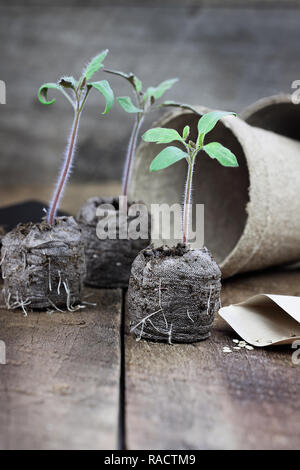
197 397
60 386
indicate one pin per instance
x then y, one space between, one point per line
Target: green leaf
43 92
179 105
133 79
95 64
126 103
104 88
138 84
221 153
209 120
120 74
161 135
167 157
67 82
157 92
186 132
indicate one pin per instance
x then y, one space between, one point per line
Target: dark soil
174 294
108 261
43 265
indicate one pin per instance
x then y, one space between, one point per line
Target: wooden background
226 54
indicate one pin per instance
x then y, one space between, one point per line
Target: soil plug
109 260
174 293
43 265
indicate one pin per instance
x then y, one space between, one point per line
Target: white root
147 318
77 307
59 283
7 301
18 303
141 332
208 303
54 306
68 292
70 307
144 319
157 329
23 304
189 316
170 334
3 257
49 274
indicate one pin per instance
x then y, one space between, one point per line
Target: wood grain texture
60 386
197 397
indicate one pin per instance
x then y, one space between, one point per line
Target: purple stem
131 153
66 169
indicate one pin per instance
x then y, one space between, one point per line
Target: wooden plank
60 386
197 397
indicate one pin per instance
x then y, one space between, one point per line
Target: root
68 292
70 307
23 304
54 306
49 275
59 283
170 334
141 332
18 303
77 307
3 257
7 300
208 303
189 316
144 319
168 331
155 327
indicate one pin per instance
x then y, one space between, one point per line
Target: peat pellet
174 294
43 265
108 261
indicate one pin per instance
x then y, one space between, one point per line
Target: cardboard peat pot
43 265
108 261
275 113
252 213
174 294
